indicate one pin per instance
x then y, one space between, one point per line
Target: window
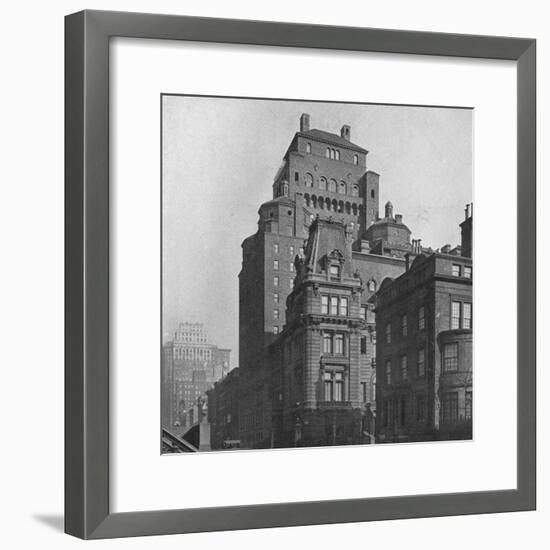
324 305
467 272
275 313
275 264
276 297
275 281
308 147
388 333
363 313
332 186
355 159
333 305
467 315
291 266
420 408
450 357
363 345
309 180
337 154
334 271
456 270
327 153
404 368
455 315
354 190
275 248
323 184
468 406
328 386
364 391
449 407
342 188
291 250
372 193
291 283
421 362
327 343
275 330
339 386
404 325
388 372
421 320
339 344
344 307
371 285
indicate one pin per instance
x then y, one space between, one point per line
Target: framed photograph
279 310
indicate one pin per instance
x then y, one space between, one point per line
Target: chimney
446 249
466 231
304 123
345 132
399 218
389 210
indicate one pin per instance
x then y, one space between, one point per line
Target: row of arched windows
325 203
332 154
332 186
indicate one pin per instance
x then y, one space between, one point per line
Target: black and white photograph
317 273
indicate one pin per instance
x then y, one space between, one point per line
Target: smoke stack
345 132
304 123
389 210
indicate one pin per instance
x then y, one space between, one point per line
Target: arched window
372 193
341 206
308 148
354 209
327 203
327 153
355 191
332 186
342 187
335 205
323 183
337 155
308 201
321 203
285 189
314 201
309 180
348 208
355 159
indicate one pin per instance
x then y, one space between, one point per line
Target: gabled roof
332 139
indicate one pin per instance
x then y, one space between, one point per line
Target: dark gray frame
87 37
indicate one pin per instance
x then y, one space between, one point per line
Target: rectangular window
339 344
421 320
275 281
420 408
333 305
328 386
291 282
466 315
276 264
455 315
338 386
327 343
388 333
296 176
450 357
363 313
402 411
363 345
449 408
364 391
388 372
468 406
334 271
275 313
275 248
420 365
291 250
468 272
291 266
276 297
275 330
344 307
404 368
404 325
324 305
456 270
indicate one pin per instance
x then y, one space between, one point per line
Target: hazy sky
219 160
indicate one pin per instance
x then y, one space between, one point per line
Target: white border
141 478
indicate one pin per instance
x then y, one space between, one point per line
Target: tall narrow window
388 372
404 325
420 408
296 177
338 386
468 272
354 191
291 250
450 357
275 281
468 406
344 307
327 343
323 184
337 154
291 283
364 391
309 180
339 344
456 270
388 333
455 315
467 315
291 266
421 319
363 345
342 187
327 153
275 330
275 264
402 411
308 147
275 248
421 363
275 313
333 305
404 368
324 305
363 313
355 159
449 408
328 386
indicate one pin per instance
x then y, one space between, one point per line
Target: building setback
424 346
323 176
190 365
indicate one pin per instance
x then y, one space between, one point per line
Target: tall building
190 366
323 176
223 412
424 350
